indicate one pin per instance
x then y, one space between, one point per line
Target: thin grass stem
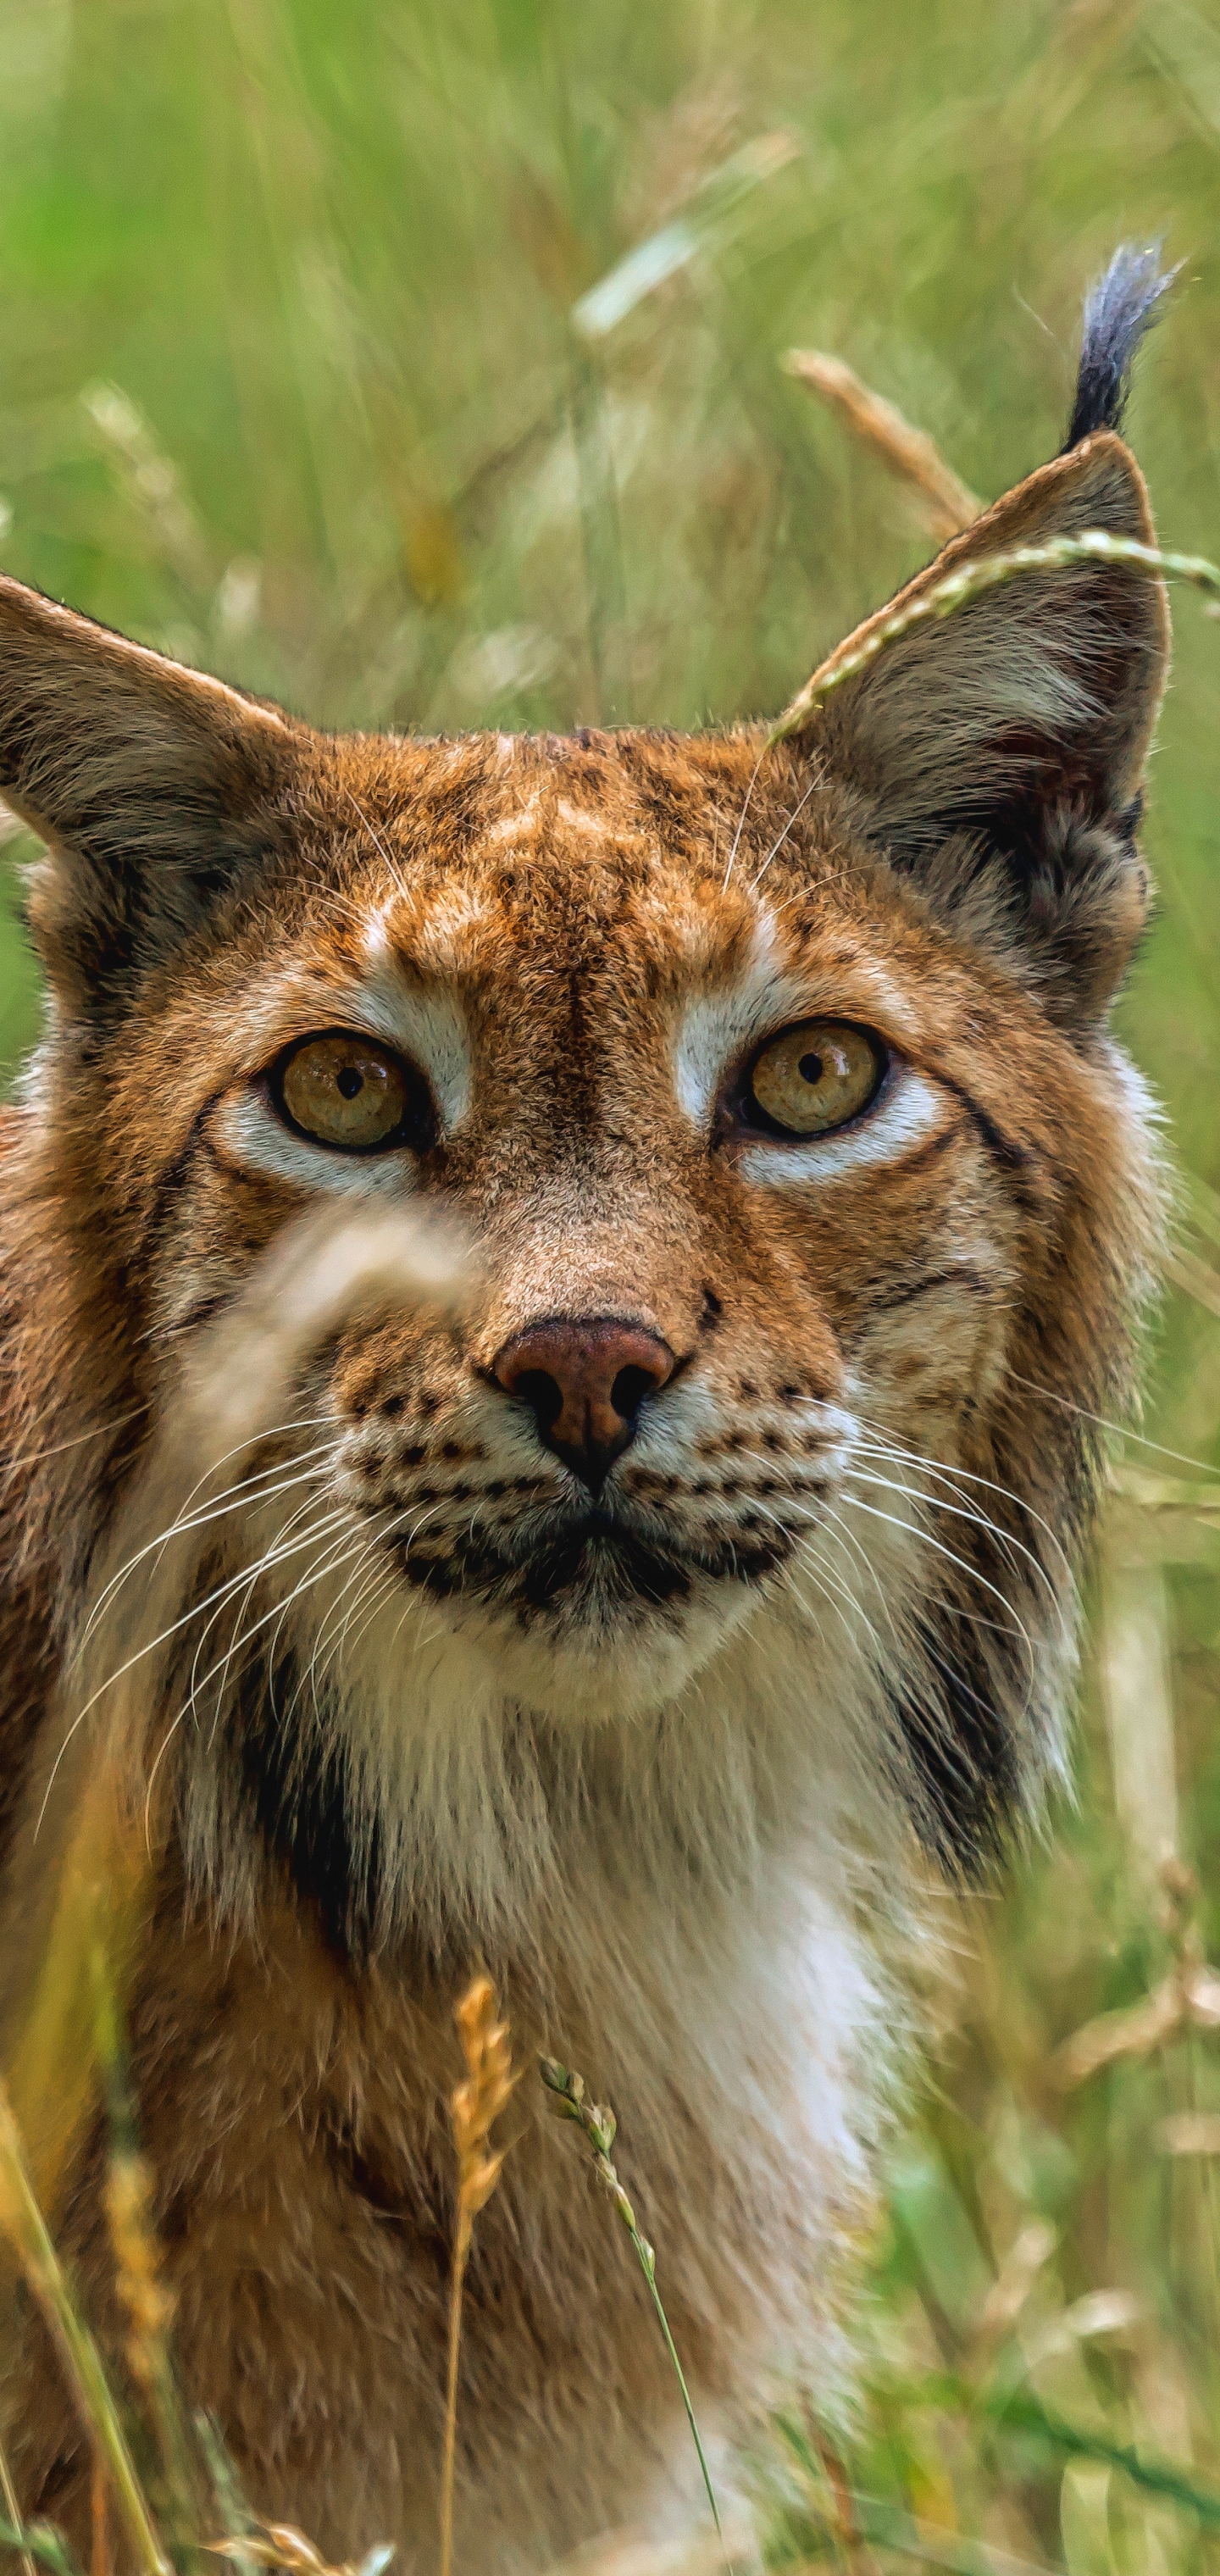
13 2510
946 504
600 2128
648 2267
142 2294
22 2220
461 2248
971 581
99 2510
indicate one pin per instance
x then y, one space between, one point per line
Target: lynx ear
997 753
154 788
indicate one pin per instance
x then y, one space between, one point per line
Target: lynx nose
584 1381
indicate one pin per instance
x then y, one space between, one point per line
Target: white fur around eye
423 1022
910 1113
428 1027
716 1027
424 1026
245 1129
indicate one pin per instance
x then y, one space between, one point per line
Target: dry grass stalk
91 1899
183 2483
854 2554
1187 1999
1005 2299
1188 2133
153 480
473 2106
1196 1278
71 1947
1137 1696
100 2563
280 2544
13 2509
944 503
21 2220
99 1908
1156 1493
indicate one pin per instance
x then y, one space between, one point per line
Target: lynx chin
667 1606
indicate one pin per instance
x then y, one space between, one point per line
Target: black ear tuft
1117 312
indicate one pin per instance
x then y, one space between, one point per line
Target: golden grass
474 2105
944 2419
944 504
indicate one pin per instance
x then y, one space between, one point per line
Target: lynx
672 1629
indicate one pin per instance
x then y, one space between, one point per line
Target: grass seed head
284 2546
473 2105
144 2297
478 2101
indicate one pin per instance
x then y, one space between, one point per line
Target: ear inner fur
155 787
1097 484
998 753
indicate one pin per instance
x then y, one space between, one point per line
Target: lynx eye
813 1077
350 1094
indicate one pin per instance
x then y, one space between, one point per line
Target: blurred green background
419 365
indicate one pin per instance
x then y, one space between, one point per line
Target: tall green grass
419 365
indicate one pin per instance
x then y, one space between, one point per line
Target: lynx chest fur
656 1617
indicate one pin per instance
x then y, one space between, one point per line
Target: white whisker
199 1682
962 1563
1119 1430
226 1501
898 1451
378 844
275 1552
958 1511
325 1564
38 1457
741 818
777 845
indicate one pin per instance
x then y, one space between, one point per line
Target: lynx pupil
346 1091
812 1078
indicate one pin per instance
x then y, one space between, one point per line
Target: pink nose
584 1380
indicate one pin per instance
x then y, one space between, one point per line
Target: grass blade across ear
996 752
154 787
969 582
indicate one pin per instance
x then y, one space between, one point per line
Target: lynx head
811 1195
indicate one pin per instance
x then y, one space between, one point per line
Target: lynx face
771 1088
695 1316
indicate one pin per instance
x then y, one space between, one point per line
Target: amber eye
349 1093
814 1077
